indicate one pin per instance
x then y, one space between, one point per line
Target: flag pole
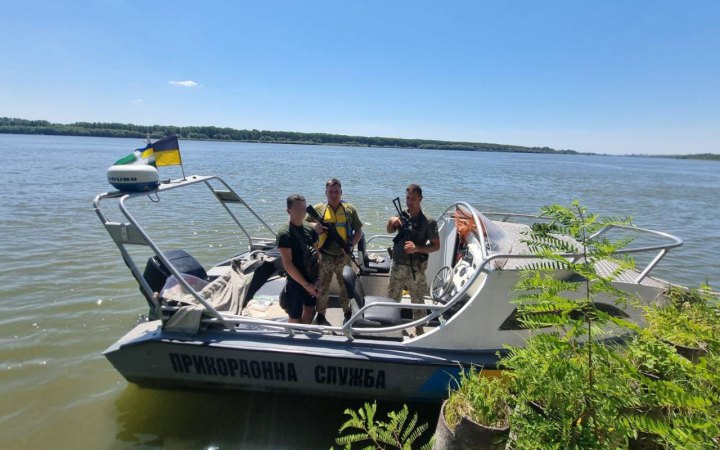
181 164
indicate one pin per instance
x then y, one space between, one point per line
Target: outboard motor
156 273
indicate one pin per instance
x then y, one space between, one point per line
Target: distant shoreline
210 133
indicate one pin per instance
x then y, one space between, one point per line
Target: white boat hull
298 364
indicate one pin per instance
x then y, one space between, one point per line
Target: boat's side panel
371 374
477 324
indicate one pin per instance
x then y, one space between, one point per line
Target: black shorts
295 298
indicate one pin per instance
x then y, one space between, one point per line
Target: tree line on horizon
126 130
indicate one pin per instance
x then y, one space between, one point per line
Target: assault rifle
404 231
331 231
405 228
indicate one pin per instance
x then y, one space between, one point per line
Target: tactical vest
341 219
419 235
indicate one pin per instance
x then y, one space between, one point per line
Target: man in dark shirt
297 242
411 254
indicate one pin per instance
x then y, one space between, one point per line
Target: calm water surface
65 294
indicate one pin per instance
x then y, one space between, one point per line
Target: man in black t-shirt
298 245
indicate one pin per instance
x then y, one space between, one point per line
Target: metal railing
132 233
347 328
662 249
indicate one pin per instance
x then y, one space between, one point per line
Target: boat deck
268 308
519 233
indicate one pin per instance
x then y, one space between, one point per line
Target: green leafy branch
396 433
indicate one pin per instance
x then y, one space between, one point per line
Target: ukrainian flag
166 152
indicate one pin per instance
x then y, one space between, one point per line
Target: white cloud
187 83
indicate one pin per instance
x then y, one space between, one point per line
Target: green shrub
575 389
480 398
690 319
569 386
363 430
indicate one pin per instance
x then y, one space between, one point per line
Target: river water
65 294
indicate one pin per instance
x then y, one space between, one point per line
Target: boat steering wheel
442 285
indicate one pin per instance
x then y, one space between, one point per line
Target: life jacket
341 219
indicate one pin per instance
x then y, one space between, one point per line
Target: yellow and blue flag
166 152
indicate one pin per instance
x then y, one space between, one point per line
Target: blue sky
606 76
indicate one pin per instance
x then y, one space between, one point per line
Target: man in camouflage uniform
410 255
333 258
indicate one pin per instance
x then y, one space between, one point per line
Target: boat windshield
497 240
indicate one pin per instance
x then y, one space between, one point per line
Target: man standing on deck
410 255
298 250
343 217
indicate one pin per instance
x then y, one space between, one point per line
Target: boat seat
382 315
271 288
156 274
261 275
371 266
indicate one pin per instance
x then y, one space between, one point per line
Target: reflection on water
248 420
65 294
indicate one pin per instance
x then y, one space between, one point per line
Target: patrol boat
221 327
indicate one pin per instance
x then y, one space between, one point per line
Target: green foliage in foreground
690 320
369 433
482 399
573 388
569 388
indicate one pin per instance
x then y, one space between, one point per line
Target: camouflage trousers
332 265
401 275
